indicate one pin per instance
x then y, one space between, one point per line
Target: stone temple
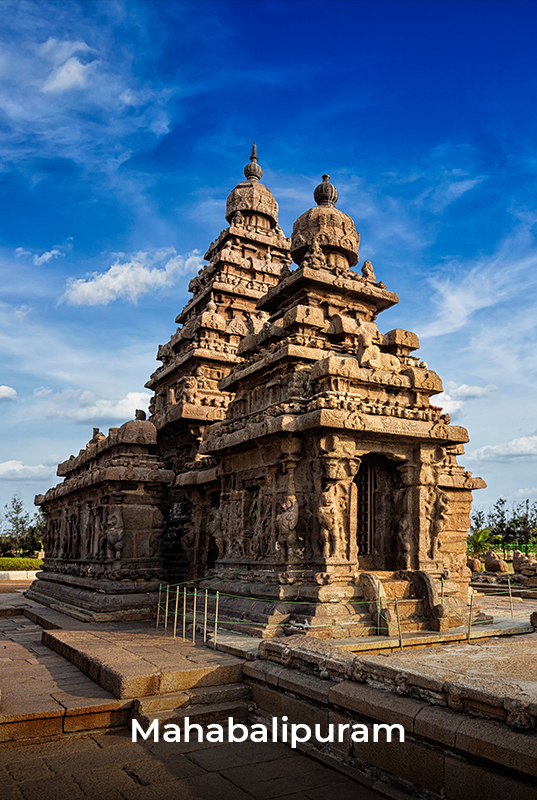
292 458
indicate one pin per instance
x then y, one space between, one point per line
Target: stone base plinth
372 604
104 601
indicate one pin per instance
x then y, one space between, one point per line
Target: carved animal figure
493 563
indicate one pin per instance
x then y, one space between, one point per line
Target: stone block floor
112 767
46 698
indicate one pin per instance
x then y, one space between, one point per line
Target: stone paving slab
111 767
145 668
42 693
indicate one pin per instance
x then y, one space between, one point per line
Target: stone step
201 715
411 606
394 588
420 624
129 675
209 695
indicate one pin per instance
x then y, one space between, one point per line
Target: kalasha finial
325 194
253 171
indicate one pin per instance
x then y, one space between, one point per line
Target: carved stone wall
104 528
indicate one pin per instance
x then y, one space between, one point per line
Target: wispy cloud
482 283
56 251
7 393
454 397
19 471
66 96
131 279
46 256
85 406
523 447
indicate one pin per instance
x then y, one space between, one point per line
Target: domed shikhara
252 199
326 227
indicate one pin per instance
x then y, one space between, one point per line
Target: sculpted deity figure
287 520
372 356
367 271
214 528
327 516
114 536
314 258
191 389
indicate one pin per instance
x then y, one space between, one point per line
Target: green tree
20 534
31 542
480 540
524 524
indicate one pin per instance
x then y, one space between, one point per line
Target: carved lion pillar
337 512
408 541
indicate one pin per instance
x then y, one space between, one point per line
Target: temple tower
245 261
339 484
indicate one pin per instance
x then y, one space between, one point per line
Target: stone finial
325 193
253 171
367 271
139 415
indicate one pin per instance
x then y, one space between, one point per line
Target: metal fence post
194 617
205 618
158 606
166 616
184 614
470 618
216 620
176 607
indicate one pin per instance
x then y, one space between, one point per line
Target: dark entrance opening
378 508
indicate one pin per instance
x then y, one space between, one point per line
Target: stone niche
103 537
332 485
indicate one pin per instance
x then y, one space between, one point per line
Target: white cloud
454 397
18 470
44 257
58 52
131 279
80 405
61 98
526 493
7 393
20 251
450 190
20 312
523 447
71 75
43 391
494 279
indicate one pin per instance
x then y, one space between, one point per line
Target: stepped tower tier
244 262
339 482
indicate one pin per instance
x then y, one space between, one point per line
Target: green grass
16 564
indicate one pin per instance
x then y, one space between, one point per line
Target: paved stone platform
42 694
139 662
112 767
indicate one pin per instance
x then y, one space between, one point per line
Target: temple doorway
378 491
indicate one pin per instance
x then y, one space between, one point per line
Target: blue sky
124 126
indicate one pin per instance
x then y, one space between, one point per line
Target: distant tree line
504 528
20 533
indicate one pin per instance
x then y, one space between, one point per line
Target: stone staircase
203 705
